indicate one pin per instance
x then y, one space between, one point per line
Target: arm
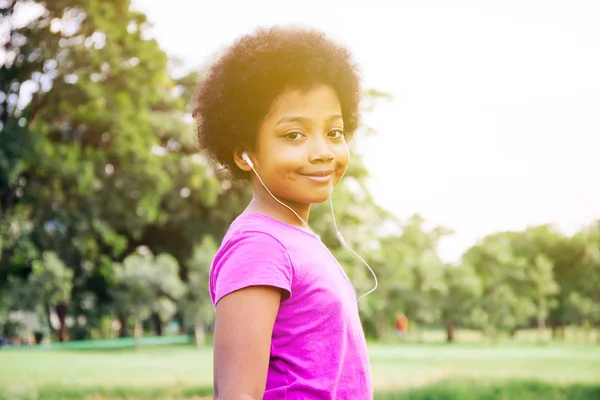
242 344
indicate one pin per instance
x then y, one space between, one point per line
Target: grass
414 365
521 390
408 371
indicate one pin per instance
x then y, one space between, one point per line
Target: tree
49 286
394 285
426 271
96 158
504 302
460 301
147 286
584 300
409 272
543 287
196 304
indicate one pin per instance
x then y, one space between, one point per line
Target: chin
308 194
316 198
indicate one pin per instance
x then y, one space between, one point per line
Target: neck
263 202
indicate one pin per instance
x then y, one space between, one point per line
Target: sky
494 122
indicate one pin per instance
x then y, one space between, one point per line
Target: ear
239 161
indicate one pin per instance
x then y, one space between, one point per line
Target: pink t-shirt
318 347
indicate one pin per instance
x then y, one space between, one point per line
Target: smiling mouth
320 176
322 172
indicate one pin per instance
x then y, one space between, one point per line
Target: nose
320 151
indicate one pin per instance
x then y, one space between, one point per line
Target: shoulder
253 230
250 256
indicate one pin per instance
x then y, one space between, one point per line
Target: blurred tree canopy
108 211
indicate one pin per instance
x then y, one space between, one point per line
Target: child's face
301 152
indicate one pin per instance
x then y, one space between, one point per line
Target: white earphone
246 158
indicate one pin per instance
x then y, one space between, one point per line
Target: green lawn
184 371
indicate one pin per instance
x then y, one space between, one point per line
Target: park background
473 194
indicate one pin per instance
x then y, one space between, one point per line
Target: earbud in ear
246 158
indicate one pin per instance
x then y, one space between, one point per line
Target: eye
335 133
293 135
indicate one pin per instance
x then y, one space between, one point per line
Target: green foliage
196 305
410 274
96 157
462 296
12 328
146 284
98 162
51 280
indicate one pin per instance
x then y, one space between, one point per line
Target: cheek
342 156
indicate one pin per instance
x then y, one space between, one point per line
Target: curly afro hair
243 83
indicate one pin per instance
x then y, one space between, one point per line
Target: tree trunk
541 325
158 328
450 333
554 332
381 326
590 333
48 316
61 312
541 318
123 329
38 337
137 333
199 332
180 323
494 335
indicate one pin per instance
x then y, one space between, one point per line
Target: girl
278 108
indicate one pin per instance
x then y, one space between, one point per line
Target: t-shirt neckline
266 216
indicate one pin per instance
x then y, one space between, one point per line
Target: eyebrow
285 120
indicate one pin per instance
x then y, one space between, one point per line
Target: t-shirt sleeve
250 259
